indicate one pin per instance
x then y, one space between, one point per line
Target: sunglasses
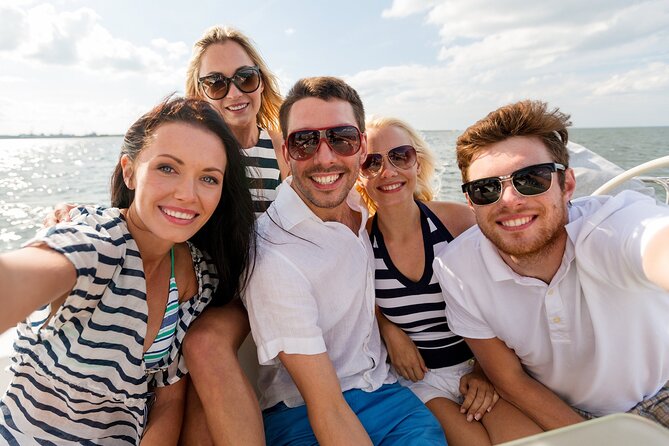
343 140
216 85
528 181
402 157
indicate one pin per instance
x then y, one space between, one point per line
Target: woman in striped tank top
228 71
406 230
101 362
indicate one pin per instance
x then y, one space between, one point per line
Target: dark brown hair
229 235
325 88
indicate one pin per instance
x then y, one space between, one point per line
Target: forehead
224 58
505 157
179 139
386 138
314 113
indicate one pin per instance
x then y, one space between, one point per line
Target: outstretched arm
504 369
32 277
331 418
656 259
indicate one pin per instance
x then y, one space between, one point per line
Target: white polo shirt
598 334
312 291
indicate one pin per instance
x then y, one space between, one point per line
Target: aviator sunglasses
528 181
343 140
216 85
402 157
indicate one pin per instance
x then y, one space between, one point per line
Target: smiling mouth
179 215
237 107
326 180
515 222
390 187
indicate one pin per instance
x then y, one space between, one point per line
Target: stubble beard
547 240
324 199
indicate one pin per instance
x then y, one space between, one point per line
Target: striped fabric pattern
263 171
418 308
80 378
160 348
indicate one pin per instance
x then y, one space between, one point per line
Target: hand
403 353
60 214
480 395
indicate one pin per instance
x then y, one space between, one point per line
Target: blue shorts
391 415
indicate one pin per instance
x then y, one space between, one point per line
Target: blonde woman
408 227
228 71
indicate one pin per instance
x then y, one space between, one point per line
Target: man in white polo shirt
323 375
564 304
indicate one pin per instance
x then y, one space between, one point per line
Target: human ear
128 171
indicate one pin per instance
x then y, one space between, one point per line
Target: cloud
654 77
76 38
491 52
289 31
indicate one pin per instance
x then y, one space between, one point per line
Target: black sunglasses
402 157
216 85
528 181
343 140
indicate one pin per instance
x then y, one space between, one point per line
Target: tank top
263 172
418 308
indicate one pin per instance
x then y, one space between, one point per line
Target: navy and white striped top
418 308
263 171
80 378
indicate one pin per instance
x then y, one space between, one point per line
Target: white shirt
598 334
312 291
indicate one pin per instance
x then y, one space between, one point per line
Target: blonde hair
425 190
268 115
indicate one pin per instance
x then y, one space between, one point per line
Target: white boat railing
639 172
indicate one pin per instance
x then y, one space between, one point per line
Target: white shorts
443 382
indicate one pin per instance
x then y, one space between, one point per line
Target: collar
292 210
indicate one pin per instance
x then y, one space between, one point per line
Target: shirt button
550 292
556 320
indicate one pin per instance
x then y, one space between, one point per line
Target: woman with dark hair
100 361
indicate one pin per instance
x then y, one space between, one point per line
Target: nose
387 168
233 91
185 190
509 194
324 154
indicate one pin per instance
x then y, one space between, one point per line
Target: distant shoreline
33 136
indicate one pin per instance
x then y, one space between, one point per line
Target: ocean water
36 174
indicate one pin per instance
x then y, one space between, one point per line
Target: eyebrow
181 163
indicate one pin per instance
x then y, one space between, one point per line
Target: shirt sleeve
93 251
283 312
616 235
463 316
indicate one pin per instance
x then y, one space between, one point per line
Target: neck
152 249
541 264
247 136
398 221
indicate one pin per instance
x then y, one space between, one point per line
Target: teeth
516 222
237 107
181 215
326 179
389 187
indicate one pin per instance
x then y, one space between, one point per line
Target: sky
75 66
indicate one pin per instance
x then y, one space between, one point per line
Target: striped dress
418 308
80 378
263 171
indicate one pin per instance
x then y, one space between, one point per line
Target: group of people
380 316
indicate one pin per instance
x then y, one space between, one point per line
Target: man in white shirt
323 375
564 304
